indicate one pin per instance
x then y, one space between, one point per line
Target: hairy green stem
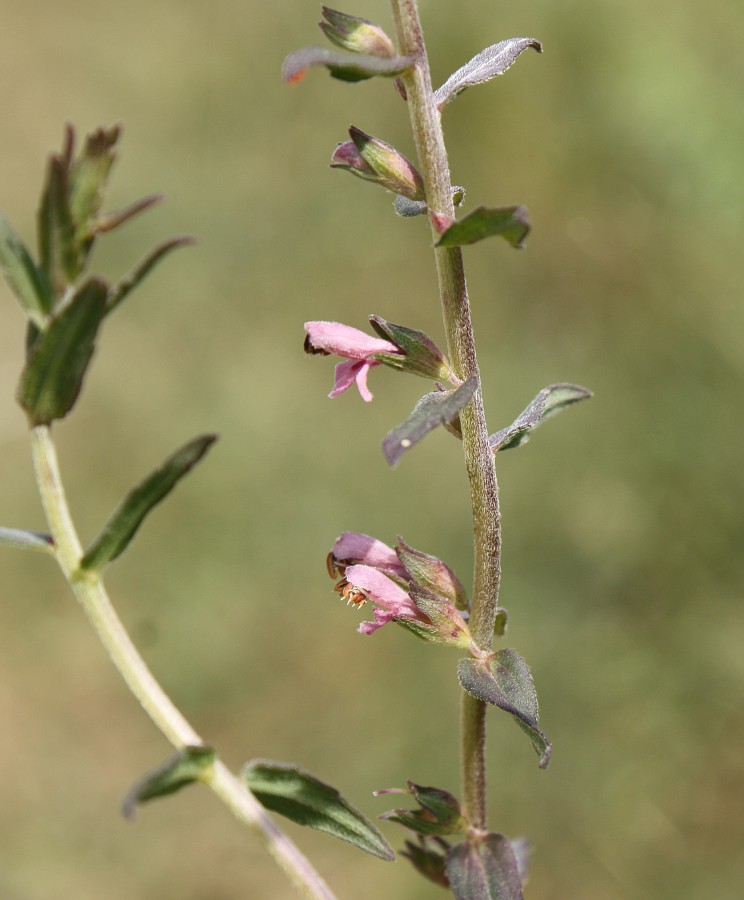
479 460
91 593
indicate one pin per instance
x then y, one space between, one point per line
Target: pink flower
390 601
359 350
403 585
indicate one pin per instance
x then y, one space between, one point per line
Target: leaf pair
280 787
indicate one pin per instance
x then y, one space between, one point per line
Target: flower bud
356 34
394 172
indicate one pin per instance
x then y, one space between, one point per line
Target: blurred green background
623 525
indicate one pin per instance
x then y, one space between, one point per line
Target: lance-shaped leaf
504 680
61 257
508 222
29 283
303 798
432 410
489 63
185 767
551 400
484 869
344 66
123 524
26 540
129 282
59 356
106 222
88 176
355 34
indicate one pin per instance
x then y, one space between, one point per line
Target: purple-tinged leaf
508 222
427 861
126 520
504 681
26 540
484 869
59 356
344 66
106 222
489 63
355 34
551 400
432 410
183 768
290 791
27 281
129 282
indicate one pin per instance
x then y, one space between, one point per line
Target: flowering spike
356 34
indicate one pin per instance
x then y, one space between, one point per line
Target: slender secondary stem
479 460
90 591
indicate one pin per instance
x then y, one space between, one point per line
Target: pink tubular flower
359 350
390 601
351 548
403 585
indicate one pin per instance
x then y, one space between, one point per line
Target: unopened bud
356 34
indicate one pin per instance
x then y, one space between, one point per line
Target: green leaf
504 680
489 63
344 66
484 869
129 282
123 524
25 279
185 767
61 259
551 400
58 358
432 410
299 796
88 176
26 540
508 222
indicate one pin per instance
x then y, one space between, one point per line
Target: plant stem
479 459
89 589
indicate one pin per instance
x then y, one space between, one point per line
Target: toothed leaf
505 681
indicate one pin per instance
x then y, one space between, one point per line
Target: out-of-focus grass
622 567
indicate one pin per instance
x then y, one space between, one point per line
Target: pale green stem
479 460
90 591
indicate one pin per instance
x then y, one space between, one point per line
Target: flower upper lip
357 348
